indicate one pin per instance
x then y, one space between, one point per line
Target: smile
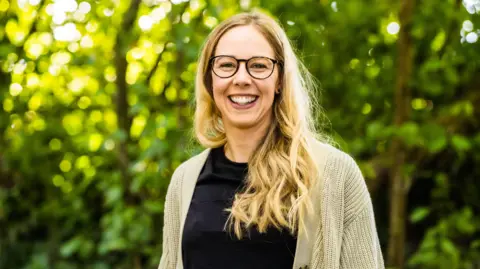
243 100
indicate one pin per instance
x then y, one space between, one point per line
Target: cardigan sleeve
171 223
360 244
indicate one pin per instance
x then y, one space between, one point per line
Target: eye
226 65
258 66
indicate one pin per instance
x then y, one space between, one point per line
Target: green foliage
65 201
442 247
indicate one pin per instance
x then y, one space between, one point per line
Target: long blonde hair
281 170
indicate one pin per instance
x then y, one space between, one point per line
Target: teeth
242 100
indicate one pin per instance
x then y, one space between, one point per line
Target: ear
279 83
279 86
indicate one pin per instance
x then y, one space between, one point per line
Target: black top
205 243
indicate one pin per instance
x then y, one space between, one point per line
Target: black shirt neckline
223 157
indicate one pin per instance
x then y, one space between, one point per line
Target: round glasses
258 67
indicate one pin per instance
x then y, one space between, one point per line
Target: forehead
244 42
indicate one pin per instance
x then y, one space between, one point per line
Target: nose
242 78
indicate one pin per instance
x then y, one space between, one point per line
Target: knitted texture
345 237
171 223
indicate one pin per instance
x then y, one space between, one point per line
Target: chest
320 244
206 243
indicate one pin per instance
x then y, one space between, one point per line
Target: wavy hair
281 171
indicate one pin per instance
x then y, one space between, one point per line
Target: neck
242 142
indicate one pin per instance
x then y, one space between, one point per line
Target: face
244 102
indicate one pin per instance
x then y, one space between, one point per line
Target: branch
157 62
159 58
131 15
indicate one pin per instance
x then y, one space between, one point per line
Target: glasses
258 67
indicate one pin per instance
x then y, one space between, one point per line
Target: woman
266 193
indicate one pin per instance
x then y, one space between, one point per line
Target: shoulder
329 157
342 177
193 162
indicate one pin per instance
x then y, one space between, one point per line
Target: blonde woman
267 192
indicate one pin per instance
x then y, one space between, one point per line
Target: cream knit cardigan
341 233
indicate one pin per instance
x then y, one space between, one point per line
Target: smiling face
244 102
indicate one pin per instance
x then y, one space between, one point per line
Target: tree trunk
399 181
123 40
123 120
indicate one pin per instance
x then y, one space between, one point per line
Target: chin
250 120
243 124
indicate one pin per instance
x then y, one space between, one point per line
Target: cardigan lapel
306 241
189 180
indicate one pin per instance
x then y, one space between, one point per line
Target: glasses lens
260 67
225 66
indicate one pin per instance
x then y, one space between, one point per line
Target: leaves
434 136
461 143
419 214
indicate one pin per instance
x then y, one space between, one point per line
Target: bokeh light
393 28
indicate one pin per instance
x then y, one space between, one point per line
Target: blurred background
96 113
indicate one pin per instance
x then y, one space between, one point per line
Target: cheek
274 82
269 87
219 86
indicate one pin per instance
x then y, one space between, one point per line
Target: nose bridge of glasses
239 66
